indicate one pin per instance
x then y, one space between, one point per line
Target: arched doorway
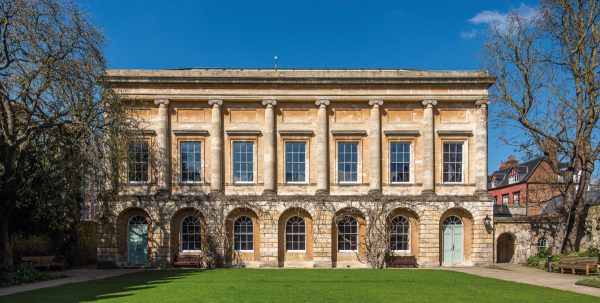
137 240
453 237
505 248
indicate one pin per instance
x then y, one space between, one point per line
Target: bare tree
547 71
52 102
373 217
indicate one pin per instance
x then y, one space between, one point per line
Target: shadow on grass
127 285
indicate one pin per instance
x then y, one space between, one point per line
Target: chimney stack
511 162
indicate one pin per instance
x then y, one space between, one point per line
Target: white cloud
470 34
494 18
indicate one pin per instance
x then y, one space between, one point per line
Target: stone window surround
243 138
411 142
286 233
409 235
147 137
184 251
465 159
306 141
359 164
187 137
253 224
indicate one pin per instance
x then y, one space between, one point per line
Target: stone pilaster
162 143
428 147
375 146
216 146
481 146
269 139
322 146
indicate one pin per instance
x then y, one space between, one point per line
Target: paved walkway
73 276
528 275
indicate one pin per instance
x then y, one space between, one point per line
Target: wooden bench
587 264
187 260
402 261
44 262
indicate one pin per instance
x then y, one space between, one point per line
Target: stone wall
319 211
524 234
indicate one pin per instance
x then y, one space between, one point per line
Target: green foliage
591 282
298 285
540 260
592 251
23 274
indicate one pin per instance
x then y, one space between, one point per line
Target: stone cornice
298 76
196 132
467 133
296 132
407 132
349 133
233 132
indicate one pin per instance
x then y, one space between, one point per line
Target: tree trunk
7 246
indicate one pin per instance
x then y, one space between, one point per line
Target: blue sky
437 35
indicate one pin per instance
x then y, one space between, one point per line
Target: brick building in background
520 192
522 189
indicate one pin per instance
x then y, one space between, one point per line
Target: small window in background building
505 199
517 198
542 243
513 179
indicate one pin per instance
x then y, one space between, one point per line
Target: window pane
453 165
190 234
190 161
243 234
347 162
137 164
347 233
243 161
400 162
400 234
295 234
295 161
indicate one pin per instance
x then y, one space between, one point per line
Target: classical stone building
297 168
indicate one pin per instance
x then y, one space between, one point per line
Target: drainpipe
493 240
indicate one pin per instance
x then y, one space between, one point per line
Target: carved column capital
215 102
429 103
482 103
269 102
375 102
161 102
322 102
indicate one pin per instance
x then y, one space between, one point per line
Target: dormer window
513 177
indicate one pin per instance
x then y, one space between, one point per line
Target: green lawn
298 285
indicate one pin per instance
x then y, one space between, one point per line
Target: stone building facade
296 168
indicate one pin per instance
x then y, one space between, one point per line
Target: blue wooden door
137 251
453 241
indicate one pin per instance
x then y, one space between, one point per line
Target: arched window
400 234
452 220
542 243
243 234
347 234
295 234
190 234
137 220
